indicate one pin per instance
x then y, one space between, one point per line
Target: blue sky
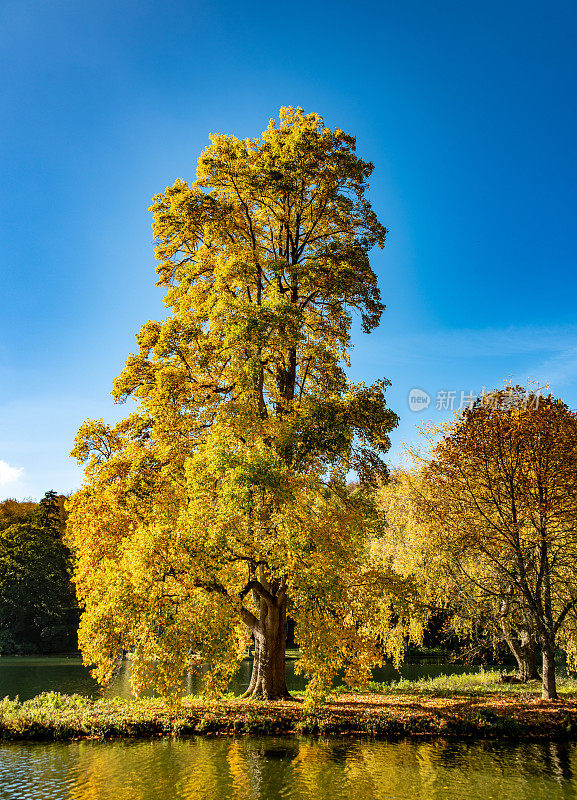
467 110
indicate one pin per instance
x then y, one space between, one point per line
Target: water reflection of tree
311 769
154 770
262 768
557 758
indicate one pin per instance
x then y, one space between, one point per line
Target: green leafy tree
222 501
38 609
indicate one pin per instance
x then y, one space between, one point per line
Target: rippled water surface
215 769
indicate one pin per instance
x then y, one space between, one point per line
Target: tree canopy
498 495
222 500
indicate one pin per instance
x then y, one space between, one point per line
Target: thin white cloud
8 474
465 343
560 369
554 348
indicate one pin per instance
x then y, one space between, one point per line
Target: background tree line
38 608
481 532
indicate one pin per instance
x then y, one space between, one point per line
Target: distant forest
38 608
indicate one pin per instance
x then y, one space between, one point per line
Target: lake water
27 676
252 768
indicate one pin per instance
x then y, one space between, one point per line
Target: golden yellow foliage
222 501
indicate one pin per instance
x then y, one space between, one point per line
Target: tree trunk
523 645
268 679
549 683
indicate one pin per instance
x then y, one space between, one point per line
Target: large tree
500 500
223 499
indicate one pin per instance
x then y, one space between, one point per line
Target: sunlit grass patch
479 682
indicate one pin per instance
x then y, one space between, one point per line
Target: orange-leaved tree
499 496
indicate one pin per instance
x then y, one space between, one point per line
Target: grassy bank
464 706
